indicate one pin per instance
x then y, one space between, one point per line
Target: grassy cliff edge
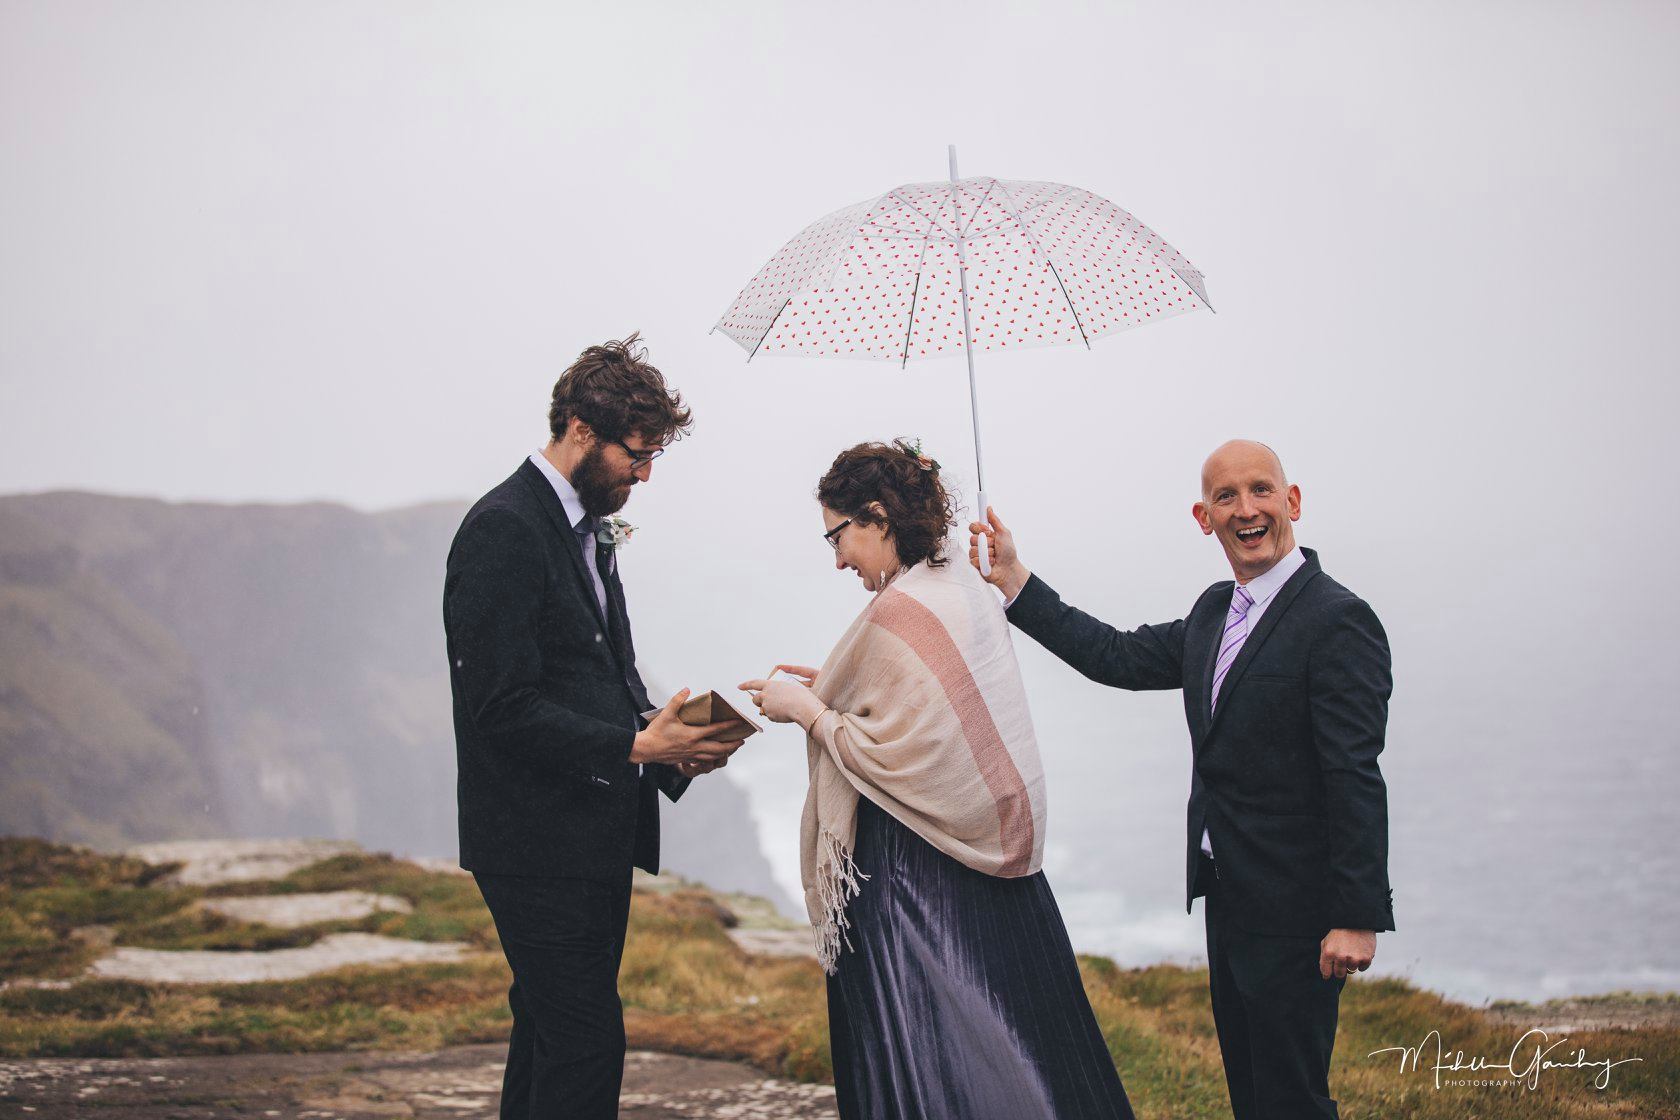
689 988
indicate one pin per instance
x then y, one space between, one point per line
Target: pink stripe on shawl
920 629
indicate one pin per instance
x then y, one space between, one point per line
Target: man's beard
596 487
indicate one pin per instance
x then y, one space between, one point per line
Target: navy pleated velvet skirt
959 998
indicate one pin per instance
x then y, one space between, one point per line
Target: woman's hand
807 675
785 701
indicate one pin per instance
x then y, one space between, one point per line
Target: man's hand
1345 951
693 770
1009 575
669 740
785 701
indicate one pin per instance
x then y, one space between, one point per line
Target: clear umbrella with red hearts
972 264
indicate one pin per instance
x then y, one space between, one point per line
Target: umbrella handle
985 551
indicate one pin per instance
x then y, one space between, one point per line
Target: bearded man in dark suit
1286 679
558 777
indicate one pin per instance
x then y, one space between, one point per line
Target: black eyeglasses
640 458
833 535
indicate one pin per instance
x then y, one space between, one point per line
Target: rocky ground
457 1081
214 862
461 1083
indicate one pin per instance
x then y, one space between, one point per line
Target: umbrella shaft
968 338
973 402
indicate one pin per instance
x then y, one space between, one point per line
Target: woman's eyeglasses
833 535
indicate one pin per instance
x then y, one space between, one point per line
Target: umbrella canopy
1046 264
971 264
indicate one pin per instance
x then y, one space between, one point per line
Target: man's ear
1293 497
582 431
1199 512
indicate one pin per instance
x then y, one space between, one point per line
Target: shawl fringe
837 884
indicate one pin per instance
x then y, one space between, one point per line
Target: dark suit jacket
547 698
1285 775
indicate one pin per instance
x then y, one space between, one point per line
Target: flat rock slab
289 911
207 862
1593 1013
460 1082
776 942
337 950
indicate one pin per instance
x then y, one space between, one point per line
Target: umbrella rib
910 327
999 224
1018 211
1082 336
1066 190
1032 236
852 241
769 328
933 221
884 232
821 221
977 208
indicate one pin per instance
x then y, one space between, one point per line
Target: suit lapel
1275 610
550 502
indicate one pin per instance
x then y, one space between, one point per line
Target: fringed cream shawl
928 719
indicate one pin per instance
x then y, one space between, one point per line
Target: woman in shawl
952 991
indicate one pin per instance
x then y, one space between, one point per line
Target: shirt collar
1263 587
564 490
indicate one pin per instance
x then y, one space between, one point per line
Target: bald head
1242 457
1249 505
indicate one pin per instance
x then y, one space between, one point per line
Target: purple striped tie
1236 630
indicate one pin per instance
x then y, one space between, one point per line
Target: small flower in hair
914 447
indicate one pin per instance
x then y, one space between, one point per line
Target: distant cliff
189 670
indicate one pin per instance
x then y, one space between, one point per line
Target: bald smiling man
1286 681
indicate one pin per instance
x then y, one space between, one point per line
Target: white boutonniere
613 531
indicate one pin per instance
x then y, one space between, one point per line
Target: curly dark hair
614 390
919 509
